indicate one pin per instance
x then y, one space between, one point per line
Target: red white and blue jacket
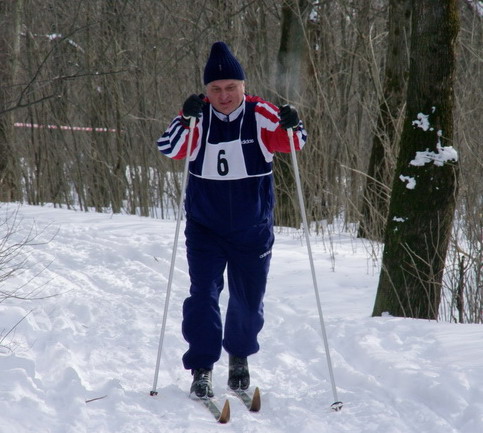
230 183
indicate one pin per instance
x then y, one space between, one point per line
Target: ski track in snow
97 339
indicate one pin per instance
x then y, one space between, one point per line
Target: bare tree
97 82
463 281
346 41
291 62
10 12
424 190
15 254
387 132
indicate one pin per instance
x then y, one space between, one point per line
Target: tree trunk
287 84
381 165
10 13
425 183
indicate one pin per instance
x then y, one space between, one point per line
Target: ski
253 403
222 416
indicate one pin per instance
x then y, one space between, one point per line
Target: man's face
226 95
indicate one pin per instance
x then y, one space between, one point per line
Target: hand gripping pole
337 405
173 255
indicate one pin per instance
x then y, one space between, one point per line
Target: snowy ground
98 338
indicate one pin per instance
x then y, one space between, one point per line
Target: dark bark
425 183
381 167
288 80
10 186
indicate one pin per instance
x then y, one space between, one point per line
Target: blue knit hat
222 65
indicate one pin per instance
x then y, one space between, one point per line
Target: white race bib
224 161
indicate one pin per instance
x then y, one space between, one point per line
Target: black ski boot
201 386
238 374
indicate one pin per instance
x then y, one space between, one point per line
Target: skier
229 214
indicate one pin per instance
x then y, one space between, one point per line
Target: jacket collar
233 115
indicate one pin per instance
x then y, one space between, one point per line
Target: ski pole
173 255
337 405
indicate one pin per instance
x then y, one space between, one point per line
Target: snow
410 181
442 155
422 122
82 360
55 36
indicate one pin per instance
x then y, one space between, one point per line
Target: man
229 208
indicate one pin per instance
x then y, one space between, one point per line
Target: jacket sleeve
174 142
273 136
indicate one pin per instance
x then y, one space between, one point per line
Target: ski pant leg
248 266
202 323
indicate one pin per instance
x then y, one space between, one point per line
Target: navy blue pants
246 255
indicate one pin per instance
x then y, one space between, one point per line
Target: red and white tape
63 127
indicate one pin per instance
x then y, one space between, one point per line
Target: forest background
88 86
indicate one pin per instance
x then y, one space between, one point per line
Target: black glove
289 117
193 105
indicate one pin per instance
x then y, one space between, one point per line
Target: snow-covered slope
83 359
